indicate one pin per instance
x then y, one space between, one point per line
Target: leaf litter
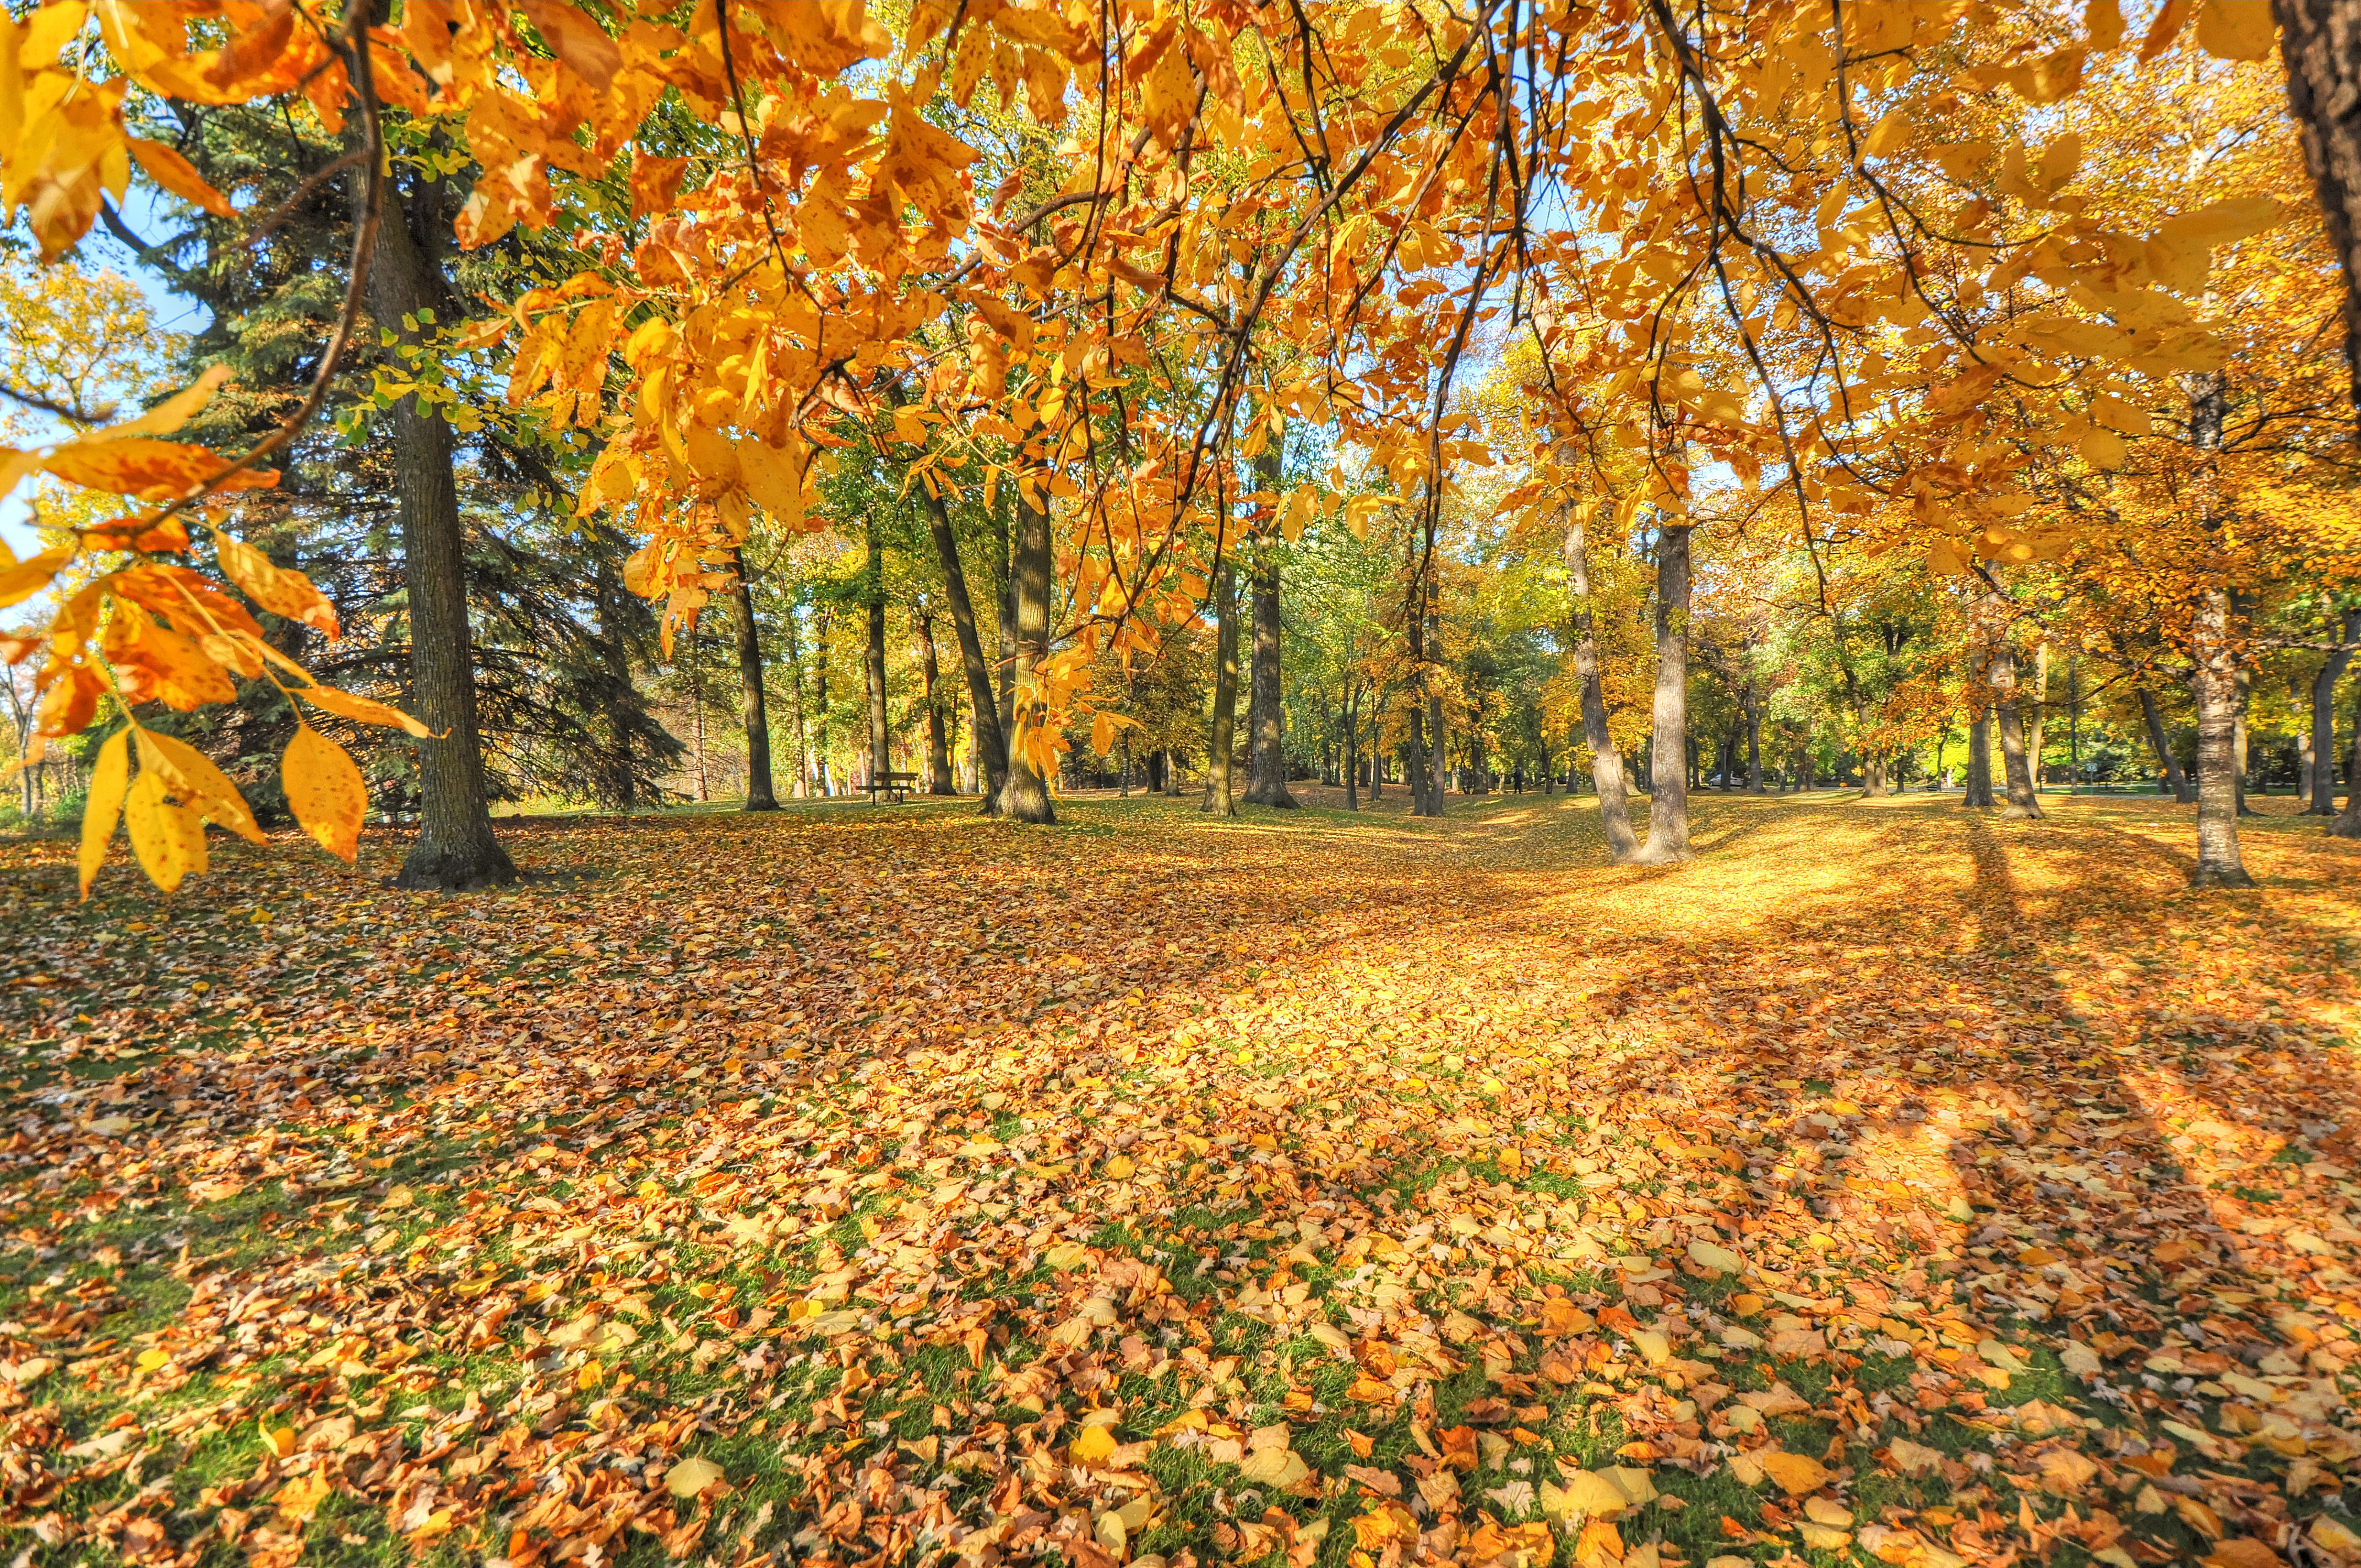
865 1188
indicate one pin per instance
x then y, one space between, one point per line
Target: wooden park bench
896 787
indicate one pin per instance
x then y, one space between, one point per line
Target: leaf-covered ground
868 1185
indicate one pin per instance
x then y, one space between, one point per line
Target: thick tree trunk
1221 798
1668 802
752 705
1999 673
2174 778
1980 792
2215 682
2219 864
455 848
1606 762
1026 797
2319 42
1753 749
939 749
1004 600
990 739
1266 757
872 663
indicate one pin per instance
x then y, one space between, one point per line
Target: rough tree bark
2319 42
939 750
1979 792
2215 680
1606 762
2000 674
2324 717
1025 796
1267 755
1668 802
1754 747
991 740
752 705
456 847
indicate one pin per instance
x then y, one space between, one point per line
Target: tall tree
1668 799
1025 796
456 847
2324 714
939 751
2153 717
753 706
1221 798
1605 758
990 739
1267 761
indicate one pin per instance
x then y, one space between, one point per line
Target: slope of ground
860 1185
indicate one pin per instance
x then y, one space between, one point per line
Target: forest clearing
1127 784
870 1184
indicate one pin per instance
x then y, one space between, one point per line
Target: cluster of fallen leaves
860 1186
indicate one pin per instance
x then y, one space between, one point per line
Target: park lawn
861 1184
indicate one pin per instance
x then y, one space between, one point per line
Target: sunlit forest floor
869 1184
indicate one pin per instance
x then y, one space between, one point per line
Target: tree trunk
621 787
1026 797
2238 747
872 663
2174 777
1606 762
752 705
821 783
1221 798
1004 600
2323 718
1999 673
2320 47
991 740
455 848
2348 821
939 749
2215 682
1438 775
2035 725
2219 864
803 729
1668 802
1753 749
1266 757
1352 756
1980 793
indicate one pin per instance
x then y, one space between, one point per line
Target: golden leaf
2237 29
178 175
363 711
324 791
103 808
